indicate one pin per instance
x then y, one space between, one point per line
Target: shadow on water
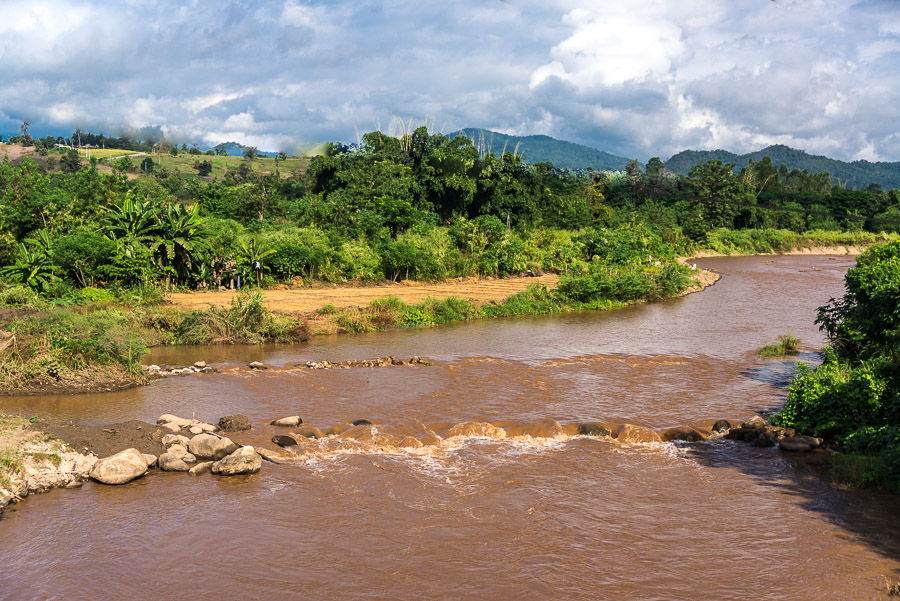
868 517
778 373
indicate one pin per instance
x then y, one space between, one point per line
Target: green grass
785 345
183 164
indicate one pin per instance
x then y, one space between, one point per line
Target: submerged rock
593 429
795 444
121 468
284 440
721 426
211 447
361 422
288 422
634 433
234 423
684 433
243 461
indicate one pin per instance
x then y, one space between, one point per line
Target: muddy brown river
471 484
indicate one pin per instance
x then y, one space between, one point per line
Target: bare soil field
310 300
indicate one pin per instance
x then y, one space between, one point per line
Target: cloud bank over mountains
649 77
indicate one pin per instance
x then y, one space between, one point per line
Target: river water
471 484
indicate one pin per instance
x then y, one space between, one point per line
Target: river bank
99 349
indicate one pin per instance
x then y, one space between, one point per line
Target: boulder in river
593 429
755 422
121 468
245 460
258 365
683 433
288 422
234 423
361 422
211 447
635 433
309 432
721 425
200 468
284 440
795 444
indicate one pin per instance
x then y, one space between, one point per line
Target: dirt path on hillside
309 300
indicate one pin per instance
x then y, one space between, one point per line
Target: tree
655 167
147 165
251 152
203 168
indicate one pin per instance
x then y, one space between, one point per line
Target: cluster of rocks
44 465
191 446
377 362
200 367
759 433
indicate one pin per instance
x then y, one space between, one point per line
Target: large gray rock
120 468
288 422
243 461
211 447
173 459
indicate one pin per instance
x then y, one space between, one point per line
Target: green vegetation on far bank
84 255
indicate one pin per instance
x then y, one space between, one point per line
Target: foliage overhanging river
524 517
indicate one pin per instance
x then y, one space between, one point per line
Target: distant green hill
540 149
858 174
233 149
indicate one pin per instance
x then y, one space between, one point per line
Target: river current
471 483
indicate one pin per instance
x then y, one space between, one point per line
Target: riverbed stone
288 422
171 463
682 433
234 423
200 468
242 461
170 439
593 429
794 445
121 468
199 364
721 425
168 418
763 442
284 440
361 422
258 365
635 433
195 430
308 432
755 422
150 459
211 446
171 427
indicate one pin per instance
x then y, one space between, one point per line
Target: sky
638 79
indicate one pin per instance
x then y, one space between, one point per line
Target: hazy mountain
858 174
539 149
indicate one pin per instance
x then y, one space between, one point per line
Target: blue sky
637 78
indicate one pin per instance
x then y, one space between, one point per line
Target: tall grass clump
246 320
786 344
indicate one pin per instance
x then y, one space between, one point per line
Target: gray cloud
648 78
